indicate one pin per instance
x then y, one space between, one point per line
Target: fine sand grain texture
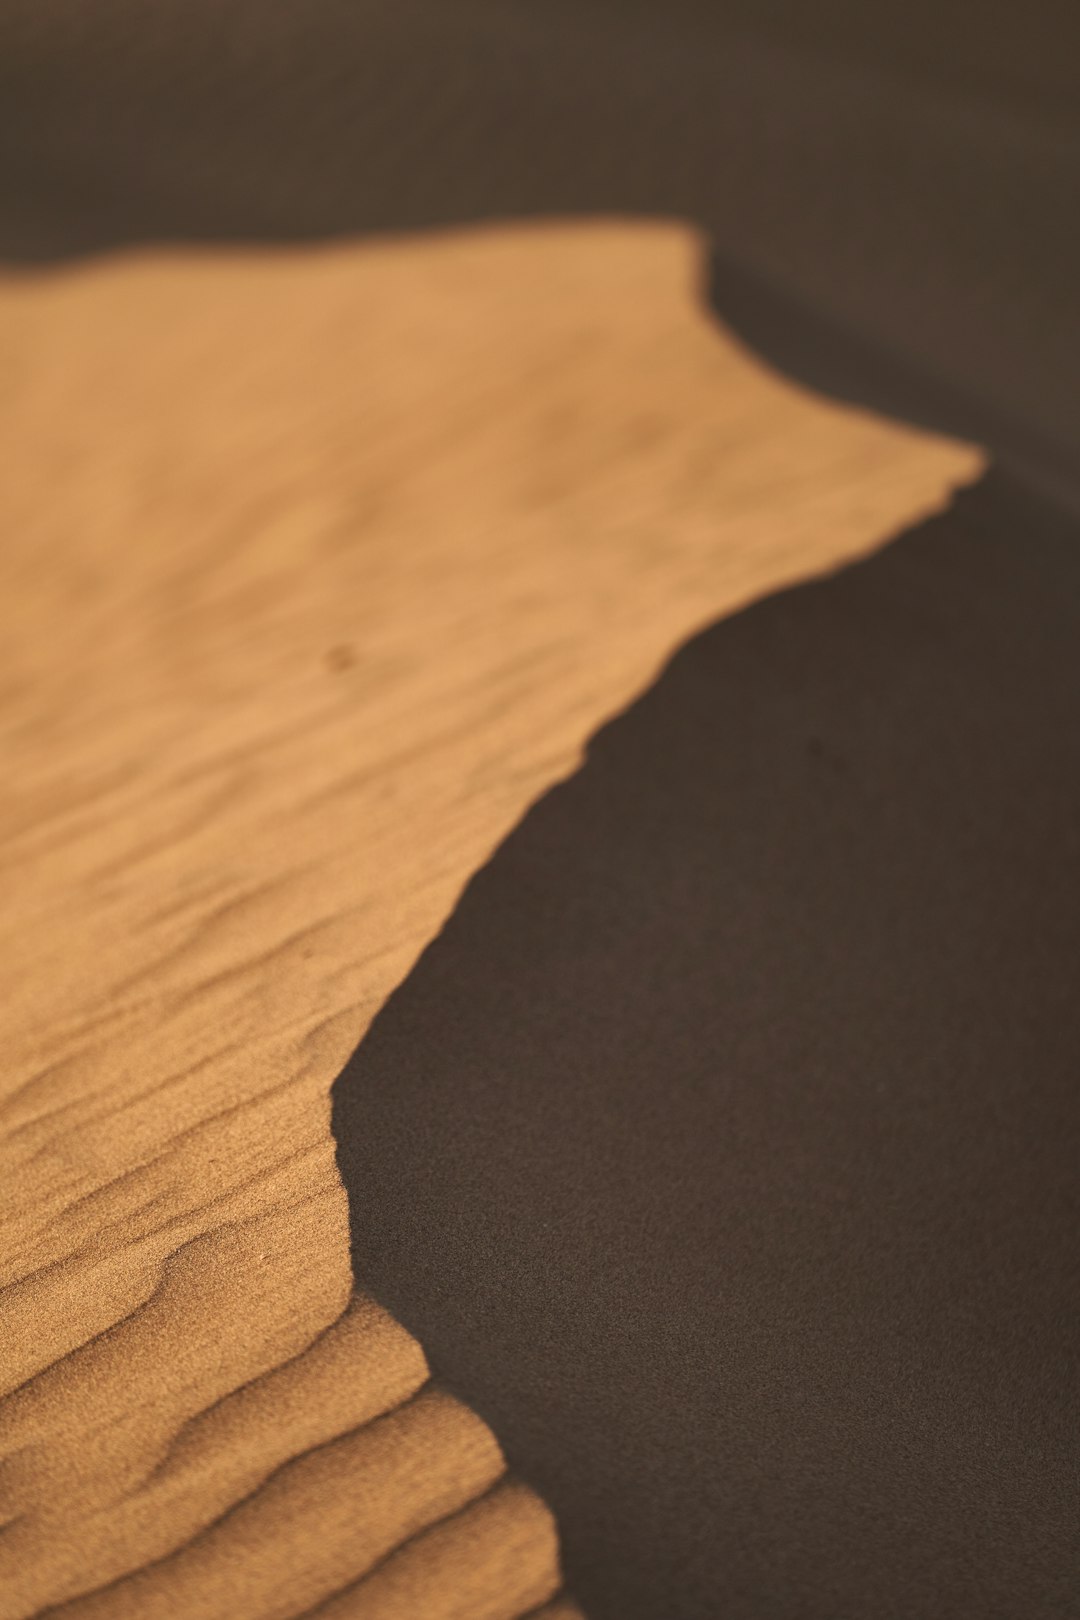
318 567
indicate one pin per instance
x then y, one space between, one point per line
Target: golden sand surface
318 566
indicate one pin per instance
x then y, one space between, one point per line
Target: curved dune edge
321 565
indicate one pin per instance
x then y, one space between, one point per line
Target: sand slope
318 566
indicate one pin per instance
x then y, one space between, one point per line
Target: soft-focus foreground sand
317 568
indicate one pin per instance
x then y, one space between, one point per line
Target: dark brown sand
723 1150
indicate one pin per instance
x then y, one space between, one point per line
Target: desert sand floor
317 568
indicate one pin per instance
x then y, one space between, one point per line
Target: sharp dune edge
319 566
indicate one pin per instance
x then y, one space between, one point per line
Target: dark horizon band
897 184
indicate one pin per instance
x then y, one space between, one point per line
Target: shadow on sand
722 1150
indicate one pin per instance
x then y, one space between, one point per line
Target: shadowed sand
722 1150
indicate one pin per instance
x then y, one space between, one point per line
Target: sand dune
318 567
